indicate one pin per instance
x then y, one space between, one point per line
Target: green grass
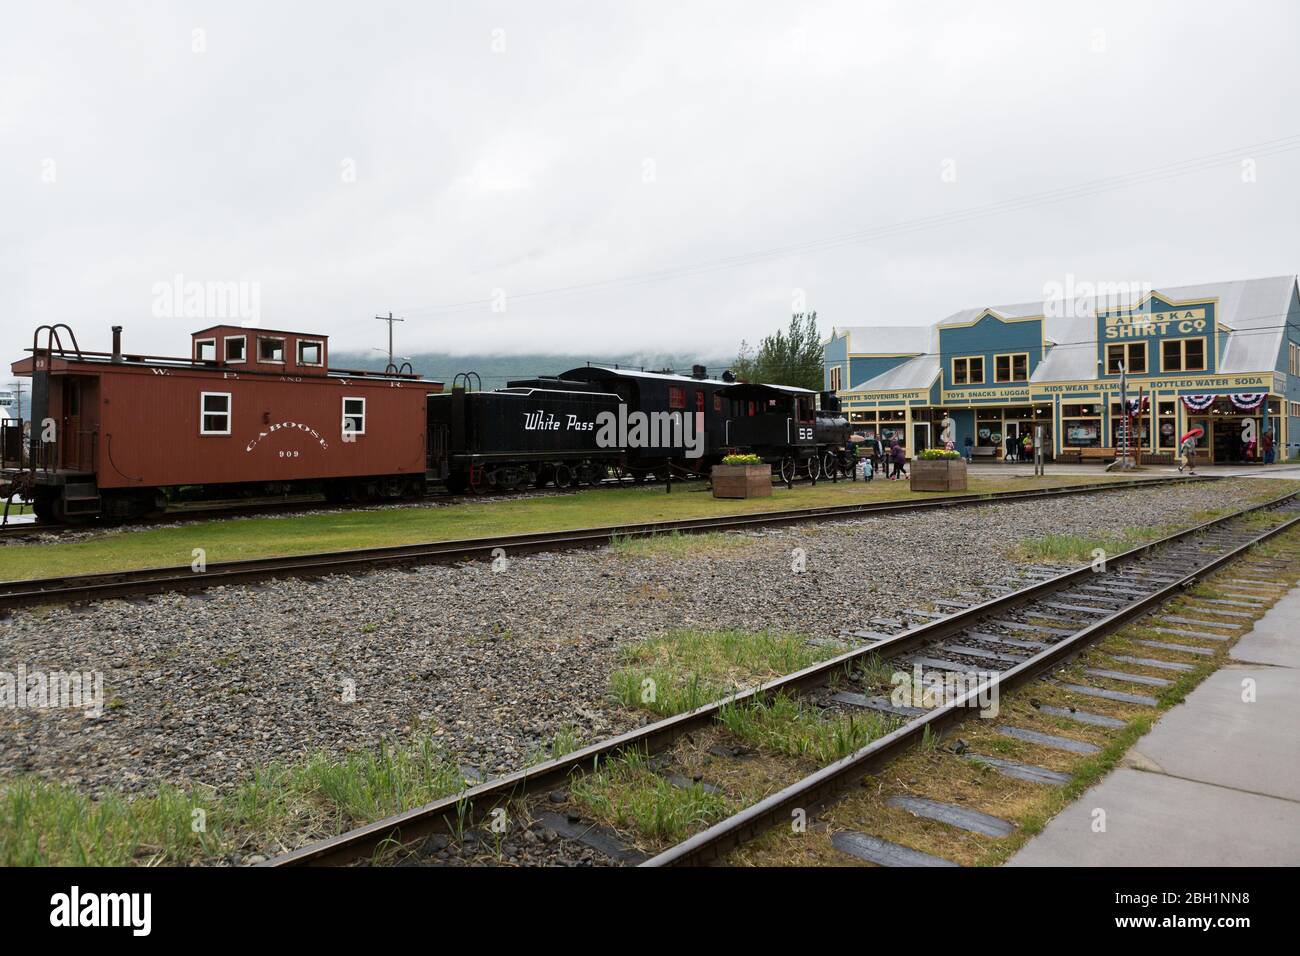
787 725
685 669
262 537
674 544
46 824
627 793
1078 548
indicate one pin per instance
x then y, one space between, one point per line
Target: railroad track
117 584
995 645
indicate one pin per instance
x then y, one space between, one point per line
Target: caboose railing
11 443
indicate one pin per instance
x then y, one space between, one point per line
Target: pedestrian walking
1185 453
969 444
899 455
1267 444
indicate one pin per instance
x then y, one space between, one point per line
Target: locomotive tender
260 411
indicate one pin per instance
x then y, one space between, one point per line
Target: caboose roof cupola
263 350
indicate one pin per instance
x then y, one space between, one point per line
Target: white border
320 344
284 349
230 412
344 416
226 346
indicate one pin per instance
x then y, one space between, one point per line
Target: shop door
1236 440
1011 442
920 437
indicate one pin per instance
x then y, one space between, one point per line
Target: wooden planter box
742 481
940 475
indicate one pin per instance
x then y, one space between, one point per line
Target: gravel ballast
202 688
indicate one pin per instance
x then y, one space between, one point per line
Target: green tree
791 356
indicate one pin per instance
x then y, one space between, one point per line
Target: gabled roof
919 372
888 339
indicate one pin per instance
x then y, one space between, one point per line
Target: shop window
1182 355
835 378
968 371
1013 367
1133 355
1119 423
1081 432
214 413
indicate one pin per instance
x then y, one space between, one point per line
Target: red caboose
251 409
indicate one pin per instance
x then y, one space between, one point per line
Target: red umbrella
1196 432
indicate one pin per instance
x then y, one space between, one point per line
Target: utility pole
18 397
390 320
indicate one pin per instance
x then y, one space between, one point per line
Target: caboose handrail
52 338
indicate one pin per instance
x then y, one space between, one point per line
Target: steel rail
473 804
817 788
109 584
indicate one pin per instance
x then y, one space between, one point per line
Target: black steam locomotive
594 422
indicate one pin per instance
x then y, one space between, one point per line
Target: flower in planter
938 454
741 460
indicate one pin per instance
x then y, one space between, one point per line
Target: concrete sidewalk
1215 783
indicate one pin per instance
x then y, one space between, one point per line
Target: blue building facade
1224 357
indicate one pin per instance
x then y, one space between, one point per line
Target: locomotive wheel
813 468
788 469
563 476
830 464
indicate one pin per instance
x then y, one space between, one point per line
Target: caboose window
676 397
205 350
310 353
270 350
236 348
214 413
354 416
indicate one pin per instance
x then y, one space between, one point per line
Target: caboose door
69 437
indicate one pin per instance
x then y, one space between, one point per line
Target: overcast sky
448 160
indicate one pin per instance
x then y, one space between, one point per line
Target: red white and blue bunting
1242 400
1199 403
1138 405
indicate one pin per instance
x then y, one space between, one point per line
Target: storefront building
1222 356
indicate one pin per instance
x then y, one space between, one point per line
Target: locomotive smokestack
117 343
